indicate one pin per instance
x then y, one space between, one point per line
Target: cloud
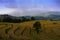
27 11
32 11
6 10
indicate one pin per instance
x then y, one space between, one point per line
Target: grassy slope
24 31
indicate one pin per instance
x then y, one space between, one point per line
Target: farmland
50 30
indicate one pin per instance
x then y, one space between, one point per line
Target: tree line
15 19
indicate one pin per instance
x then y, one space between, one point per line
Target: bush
37 26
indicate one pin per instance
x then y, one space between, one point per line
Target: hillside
24 31
14 19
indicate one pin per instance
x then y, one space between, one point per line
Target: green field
24 31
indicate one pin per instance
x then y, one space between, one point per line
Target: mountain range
42 16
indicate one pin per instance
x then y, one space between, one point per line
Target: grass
24 31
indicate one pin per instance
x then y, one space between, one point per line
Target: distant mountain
48 17
45 17
34 13
46 14
41 16
54 12
54 17
9 18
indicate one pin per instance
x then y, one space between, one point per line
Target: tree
32 18
37 26
7 19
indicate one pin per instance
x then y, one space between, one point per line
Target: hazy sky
28 7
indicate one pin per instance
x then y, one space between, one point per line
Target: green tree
37 26
32 18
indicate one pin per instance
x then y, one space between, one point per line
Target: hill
14 19
9 18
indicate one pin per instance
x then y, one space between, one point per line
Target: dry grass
23 31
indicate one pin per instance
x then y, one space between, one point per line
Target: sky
28 7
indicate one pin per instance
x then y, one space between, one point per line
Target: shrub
37 26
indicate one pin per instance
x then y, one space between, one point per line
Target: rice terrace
25 31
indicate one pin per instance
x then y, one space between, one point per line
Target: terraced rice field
24 31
